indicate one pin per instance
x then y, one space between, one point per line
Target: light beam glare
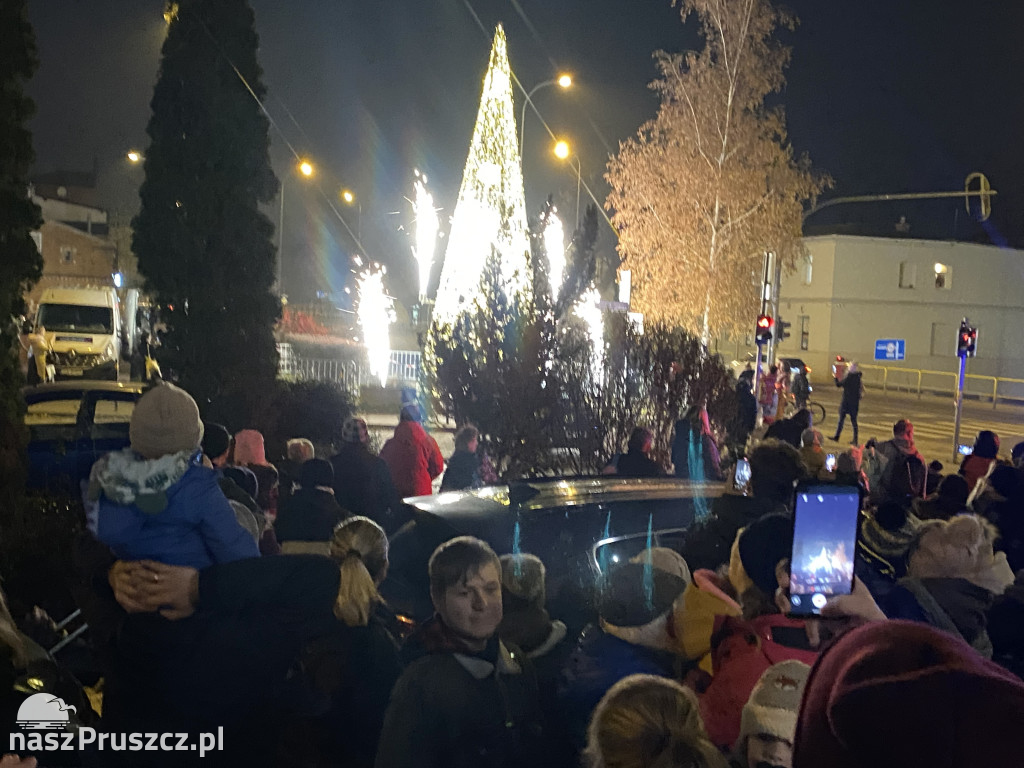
588 310
427 226
554 246
375 314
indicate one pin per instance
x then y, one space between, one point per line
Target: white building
852 291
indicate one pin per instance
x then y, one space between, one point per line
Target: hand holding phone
824 546
965 449
742 475
830 462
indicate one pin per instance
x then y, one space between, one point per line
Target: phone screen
742 476
824 546
965 450
830 462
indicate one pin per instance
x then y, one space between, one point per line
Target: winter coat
852 391
1005 627
363 485
169 509
308 517
413 458
814 461
937 507
598 661
741 652
231 664
463 471
954 605
789 430
702 606
882 555
708 544
356 668
637 464
456 709
705 465
974 468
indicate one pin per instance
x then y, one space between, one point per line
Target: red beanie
893 694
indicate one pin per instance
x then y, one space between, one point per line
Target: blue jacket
599 661
197 527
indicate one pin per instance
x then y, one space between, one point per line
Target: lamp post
306 169
348 196
562 152
562 81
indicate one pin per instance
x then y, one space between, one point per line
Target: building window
805 332
67 255
808 268
943 276
908 274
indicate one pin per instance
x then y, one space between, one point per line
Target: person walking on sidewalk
853 389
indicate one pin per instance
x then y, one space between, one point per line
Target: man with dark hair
466 699
775 468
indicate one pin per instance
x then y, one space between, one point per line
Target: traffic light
763 331
967 340
781 330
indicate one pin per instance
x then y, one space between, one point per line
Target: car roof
71 387
549 493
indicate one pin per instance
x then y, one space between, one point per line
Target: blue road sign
890 349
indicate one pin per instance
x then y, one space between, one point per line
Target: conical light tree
490 214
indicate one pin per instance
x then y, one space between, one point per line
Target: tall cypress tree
20 261
204 248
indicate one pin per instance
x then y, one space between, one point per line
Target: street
932 416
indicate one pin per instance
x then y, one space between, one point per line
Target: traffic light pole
758 374
959 405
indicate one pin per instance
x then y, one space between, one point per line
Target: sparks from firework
427 226
554 246
588 310
375 313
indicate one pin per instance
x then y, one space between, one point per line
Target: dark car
577 527
71 424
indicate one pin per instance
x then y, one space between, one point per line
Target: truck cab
82 332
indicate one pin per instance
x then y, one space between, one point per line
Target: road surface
932 416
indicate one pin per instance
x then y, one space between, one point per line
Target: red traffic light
764 322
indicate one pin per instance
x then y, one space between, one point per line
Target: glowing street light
134 157
561 149
347 196
306 168
563 81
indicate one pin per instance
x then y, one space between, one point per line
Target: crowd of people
222 591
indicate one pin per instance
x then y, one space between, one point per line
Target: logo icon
44 712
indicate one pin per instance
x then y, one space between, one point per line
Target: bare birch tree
711 182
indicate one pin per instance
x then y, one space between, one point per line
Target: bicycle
818 412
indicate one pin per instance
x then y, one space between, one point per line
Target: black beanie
216 439
762 544
314 472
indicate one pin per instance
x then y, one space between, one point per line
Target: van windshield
76 318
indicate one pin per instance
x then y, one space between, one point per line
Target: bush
311 409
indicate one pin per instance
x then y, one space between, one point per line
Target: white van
83 331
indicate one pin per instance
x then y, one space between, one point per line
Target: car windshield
77 318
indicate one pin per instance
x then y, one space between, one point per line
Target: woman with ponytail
358 663
646 721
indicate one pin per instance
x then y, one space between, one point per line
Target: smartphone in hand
830 462
742 475
825 520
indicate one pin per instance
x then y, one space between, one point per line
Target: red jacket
742 651
413 458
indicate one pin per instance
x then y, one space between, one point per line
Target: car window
113 411
620 549
64 411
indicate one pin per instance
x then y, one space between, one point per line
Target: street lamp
307 169
135 157
562 152
562 81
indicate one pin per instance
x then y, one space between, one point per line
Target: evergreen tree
20 261
204 248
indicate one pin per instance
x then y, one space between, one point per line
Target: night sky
884 95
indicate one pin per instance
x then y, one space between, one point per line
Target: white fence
403 368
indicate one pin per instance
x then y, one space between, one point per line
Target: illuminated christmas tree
490 215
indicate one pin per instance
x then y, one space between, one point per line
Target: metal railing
916 380
403 370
